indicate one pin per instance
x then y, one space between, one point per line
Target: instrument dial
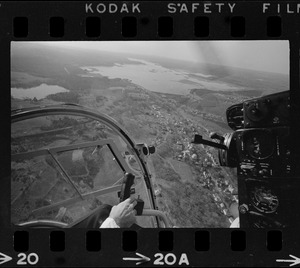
256 111
259 144
264 200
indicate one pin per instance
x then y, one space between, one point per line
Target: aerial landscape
160 101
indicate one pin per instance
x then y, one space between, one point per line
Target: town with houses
175 126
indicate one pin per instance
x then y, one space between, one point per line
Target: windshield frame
77 110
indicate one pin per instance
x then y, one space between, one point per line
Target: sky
269 56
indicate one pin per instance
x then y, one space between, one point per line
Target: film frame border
36 26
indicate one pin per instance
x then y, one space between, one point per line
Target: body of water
38 92
157 78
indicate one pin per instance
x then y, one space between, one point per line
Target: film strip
85 82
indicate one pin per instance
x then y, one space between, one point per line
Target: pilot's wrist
109 223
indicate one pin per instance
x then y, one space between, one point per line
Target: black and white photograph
156 134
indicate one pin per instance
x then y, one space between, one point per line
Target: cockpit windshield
65 166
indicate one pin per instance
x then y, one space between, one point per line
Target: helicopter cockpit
67 160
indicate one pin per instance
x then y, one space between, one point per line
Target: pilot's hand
124 213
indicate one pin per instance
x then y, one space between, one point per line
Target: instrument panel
259 144
267 111
263 152
260 149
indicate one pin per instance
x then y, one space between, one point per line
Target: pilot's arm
121 215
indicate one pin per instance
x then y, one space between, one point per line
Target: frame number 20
31 259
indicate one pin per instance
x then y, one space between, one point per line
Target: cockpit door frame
76 110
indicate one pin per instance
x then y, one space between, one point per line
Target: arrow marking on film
140 260
295 260
4 258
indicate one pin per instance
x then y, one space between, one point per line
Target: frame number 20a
31 259
170 259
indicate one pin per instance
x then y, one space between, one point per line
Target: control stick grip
128 181
139 206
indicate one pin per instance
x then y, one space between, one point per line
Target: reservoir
157 78
38 92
